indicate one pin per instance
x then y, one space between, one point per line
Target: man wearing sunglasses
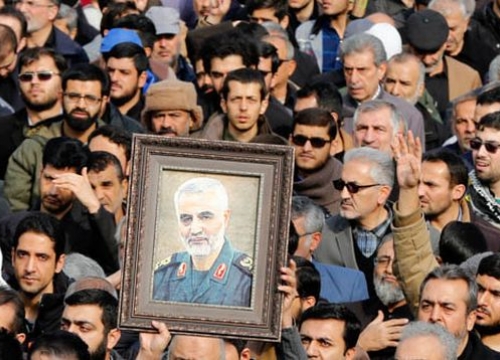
313 135
351 238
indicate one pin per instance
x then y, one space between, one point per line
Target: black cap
426 31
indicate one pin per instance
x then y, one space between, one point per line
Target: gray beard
388 293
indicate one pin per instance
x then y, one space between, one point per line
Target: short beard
79 124
388 293
488 329
100 352
38 107
124 99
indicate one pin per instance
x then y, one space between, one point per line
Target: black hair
352 327
233 42
316 117
100 298
116 135
63 152
280 7
489 97
114 11
10 347
132 51
327 96
490 121
268 50
459 241
490 266
100 160
308 278
62 344
252 29
145 27
293 240
87 72
12 298
457 169
30 55
12 12
244 76
45 224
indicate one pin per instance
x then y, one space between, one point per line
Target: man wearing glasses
351 238
314 131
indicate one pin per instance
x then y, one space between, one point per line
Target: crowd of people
392 108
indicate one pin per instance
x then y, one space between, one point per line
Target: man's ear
142 79
315 241
292 65
458 191
113 338
60 263
381 70
334 145
223 105
285 22
264 104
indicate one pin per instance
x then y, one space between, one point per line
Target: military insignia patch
181 271
246 262
163 263
220 271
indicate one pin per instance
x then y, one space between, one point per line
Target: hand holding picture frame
207 233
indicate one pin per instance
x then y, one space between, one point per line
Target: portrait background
243 197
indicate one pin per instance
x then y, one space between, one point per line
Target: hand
380 334
115 279
408 157
289 290
153 345
80 186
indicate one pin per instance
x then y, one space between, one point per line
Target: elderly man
365 65
405 78
352 237
178 116
210 271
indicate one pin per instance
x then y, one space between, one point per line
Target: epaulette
244 263
163 262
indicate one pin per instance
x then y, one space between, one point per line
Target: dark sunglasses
353 188
41 75
475 144
316 142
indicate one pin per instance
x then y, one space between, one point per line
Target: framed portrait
207 233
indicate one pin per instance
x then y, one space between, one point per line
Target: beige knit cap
172 95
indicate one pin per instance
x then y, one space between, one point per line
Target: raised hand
289 290
380 334
408 156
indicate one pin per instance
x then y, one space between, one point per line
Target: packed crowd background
392 108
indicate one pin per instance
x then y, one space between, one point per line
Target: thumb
380 317
85 173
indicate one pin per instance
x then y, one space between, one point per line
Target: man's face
374 129
203 80
15 25
38 13
362 75
457 24
202 7
366 200
435 191
126 82
264 14
421 347
101 143
445 302
464 126
195 347
243 106
335 7
486 164
308 159
431 61
387 285
171 123
82 104
488 299
40 95
287 67
54 199
202 222
299 4
220 67
166 48
109 188
85 321
305 240
265 67
402 80
35 264
322 339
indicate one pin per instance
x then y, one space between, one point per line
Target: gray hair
444 7
69 14
382 170
494 69
362 42
200 185
405 57
290 51
397 120
454 272
304 207
418 329
79 266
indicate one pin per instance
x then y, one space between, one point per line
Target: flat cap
426 31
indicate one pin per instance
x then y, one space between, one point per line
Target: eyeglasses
316 142
383 260
264 73
352 187
88 99
491 147
44 75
